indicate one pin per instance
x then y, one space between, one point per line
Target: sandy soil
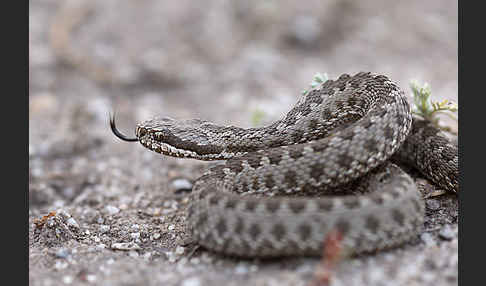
113 210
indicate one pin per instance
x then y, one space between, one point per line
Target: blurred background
226 60
239 63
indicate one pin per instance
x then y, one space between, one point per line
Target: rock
181 185
125 246
446 233
427 239
111 210
72 223
179 250
193 281
432 204
104 228
63 253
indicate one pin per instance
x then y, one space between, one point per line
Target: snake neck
204 140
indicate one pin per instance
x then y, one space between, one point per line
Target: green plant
318 79
426 108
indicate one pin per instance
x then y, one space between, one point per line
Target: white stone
179 250
125 246
112 209
194 281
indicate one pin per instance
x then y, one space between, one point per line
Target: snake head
178 138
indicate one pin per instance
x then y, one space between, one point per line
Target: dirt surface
106 212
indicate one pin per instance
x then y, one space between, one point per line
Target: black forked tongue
118 133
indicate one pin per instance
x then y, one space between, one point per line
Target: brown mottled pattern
340 135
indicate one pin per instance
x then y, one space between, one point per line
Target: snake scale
328 165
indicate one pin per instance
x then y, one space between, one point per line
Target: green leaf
317 80
425 107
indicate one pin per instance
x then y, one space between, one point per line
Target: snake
334 164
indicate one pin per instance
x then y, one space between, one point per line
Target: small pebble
60 265
91 278
104 228
72 222
181 185
194 281
241 269
125 246
179 250
63 214
63 253
67 279
427 239
156 235
135 235
147 255
112 210
167 204
446 233
432 204
171 227
172 257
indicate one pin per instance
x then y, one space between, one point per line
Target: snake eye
159 136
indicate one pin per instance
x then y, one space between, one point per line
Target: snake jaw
151 141
148 141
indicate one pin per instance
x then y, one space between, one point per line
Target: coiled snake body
325 167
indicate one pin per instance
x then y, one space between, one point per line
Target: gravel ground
106 212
